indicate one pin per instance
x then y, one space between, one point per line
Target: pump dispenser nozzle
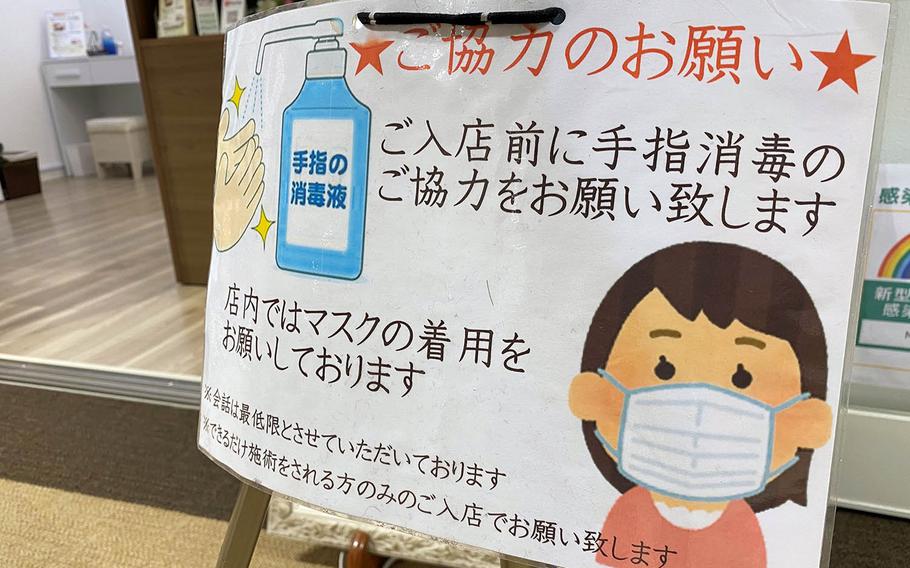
322 30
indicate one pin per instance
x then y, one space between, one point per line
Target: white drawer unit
114 70
68 73
83 88
101 70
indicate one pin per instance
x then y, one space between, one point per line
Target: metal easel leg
243 531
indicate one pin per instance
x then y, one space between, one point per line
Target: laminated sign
883 339
569 282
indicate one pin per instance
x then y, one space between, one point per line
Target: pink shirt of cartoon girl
701 396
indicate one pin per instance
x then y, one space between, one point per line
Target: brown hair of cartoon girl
726 282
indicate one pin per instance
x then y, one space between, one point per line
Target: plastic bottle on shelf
108 43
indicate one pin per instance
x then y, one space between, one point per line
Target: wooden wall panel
181 84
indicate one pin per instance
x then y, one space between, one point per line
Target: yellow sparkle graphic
238 93
263 226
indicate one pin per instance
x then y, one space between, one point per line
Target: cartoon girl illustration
702 395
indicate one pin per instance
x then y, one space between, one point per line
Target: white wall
25 120
896 134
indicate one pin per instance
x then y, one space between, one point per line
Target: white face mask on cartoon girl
696 441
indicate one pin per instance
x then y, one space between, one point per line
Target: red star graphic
842 64
369 54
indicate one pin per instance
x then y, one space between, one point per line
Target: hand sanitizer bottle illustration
325 136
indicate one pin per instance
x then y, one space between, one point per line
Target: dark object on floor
19 176
147 454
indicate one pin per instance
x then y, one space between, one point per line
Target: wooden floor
86 276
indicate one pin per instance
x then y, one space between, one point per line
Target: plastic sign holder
330 75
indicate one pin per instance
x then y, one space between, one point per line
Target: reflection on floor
86 276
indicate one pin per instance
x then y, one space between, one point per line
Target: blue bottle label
319 183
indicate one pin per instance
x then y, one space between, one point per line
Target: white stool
119 139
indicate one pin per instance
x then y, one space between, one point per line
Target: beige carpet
45 527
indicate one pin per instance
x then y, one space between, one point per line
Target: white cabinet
89 87
114 70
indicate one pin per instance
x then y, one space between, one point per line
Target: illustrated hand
238 182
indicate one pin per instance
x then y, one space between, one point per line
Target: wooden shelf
181 87
187 41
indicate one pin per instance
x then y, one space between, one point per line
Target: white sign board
65 34
883 339
573 292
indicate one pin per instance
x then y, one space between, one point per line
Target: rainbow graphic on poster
897 262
